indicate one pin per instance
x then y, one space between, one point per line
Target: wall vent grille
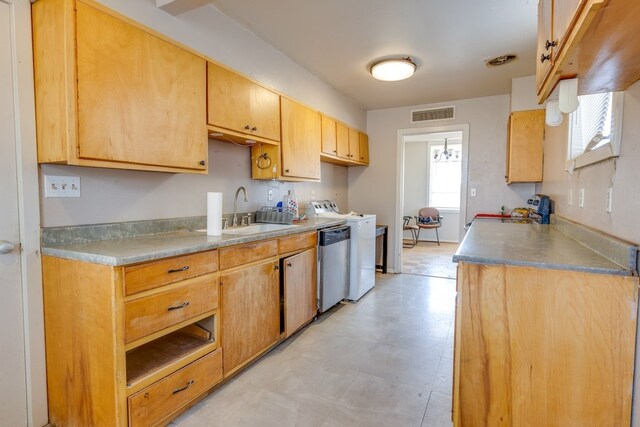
444 113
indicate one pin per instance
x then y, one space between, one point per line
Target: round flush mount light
393 69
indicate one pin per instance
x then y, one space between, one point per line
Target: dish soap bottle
290 204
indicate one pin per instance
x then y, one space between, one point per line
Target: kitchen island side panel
542 347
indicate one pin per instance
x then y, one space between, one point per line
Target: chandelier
446 154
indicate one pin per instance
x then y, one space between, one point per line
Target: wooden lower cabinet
300 290
163 399
137 344
540 347
250 303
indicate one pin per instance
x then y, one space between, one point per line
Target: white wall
621 174
373 189
113 195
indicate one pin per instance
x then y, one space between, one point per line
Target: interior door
13 397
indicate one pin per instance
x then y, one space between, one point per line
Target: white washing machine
362 265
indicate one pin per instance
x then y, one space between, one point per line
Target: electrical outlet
581 198
270 195
570 198
473 192
609 199
61 186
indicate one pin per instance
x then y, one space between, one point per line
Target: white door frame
464 128
28 211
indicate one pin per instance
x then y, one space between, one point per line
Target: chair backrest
429 212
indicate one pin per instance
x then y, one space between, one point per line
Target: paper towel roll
214 214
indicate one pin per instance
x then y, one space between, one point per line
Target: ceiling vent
444 113
501 60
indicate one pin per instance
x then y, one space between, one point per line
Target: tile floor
384 361
429 259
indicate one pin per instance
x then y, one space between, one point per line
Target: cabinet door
354 145
544 56
238 104
300 290
301 135
364 148
543 347
250 306
342 135
564 12
329 142
141 99
525 140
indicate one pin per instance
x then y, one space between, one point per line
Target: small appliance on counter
540 208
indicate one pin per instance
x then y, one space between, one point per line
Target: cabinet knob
286 170
549 44
253 129
276 267
202 163
288 264
544 57
247 127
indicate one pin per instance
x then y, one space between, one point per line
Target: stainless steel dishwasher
333 266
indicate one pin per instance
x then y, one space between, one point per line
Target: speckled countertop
131 250
531 245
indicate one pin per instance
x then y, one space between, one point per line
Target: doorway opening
432 173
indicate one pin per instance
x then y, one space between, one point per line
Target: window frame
605 152
430 145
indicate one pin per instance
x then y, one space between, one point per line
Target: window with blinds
595 128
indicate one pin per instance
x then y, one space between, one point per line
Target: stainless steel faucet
235 204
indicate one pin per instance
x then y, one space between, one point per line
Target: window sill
598 155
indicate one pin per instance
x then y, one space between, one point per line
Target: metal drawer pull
178 270
189 384
178 307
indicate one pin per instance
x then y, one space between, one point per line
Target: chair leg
414 235
437 237
418 235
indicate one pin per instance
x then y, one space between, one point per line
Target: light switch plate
581 198
609 199
473 192
61 186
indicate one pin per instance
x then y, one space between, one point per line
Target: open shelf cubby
170 352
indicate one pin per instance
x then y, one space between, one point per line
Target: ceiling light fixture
393 69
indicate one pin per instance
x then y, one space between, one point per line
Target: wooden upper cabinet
242 107
545 50
343 141
594 41
329 141
114 94
354 145
564 13
525 140
301 141
364 148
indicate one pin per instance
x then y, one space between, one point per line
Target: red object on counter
490 215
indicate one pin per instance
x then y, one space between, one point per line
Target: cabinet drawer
151 275
298 241
250 252
159 401
150 314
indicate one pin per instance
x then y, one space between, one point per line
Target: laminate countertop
531 245
132 250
